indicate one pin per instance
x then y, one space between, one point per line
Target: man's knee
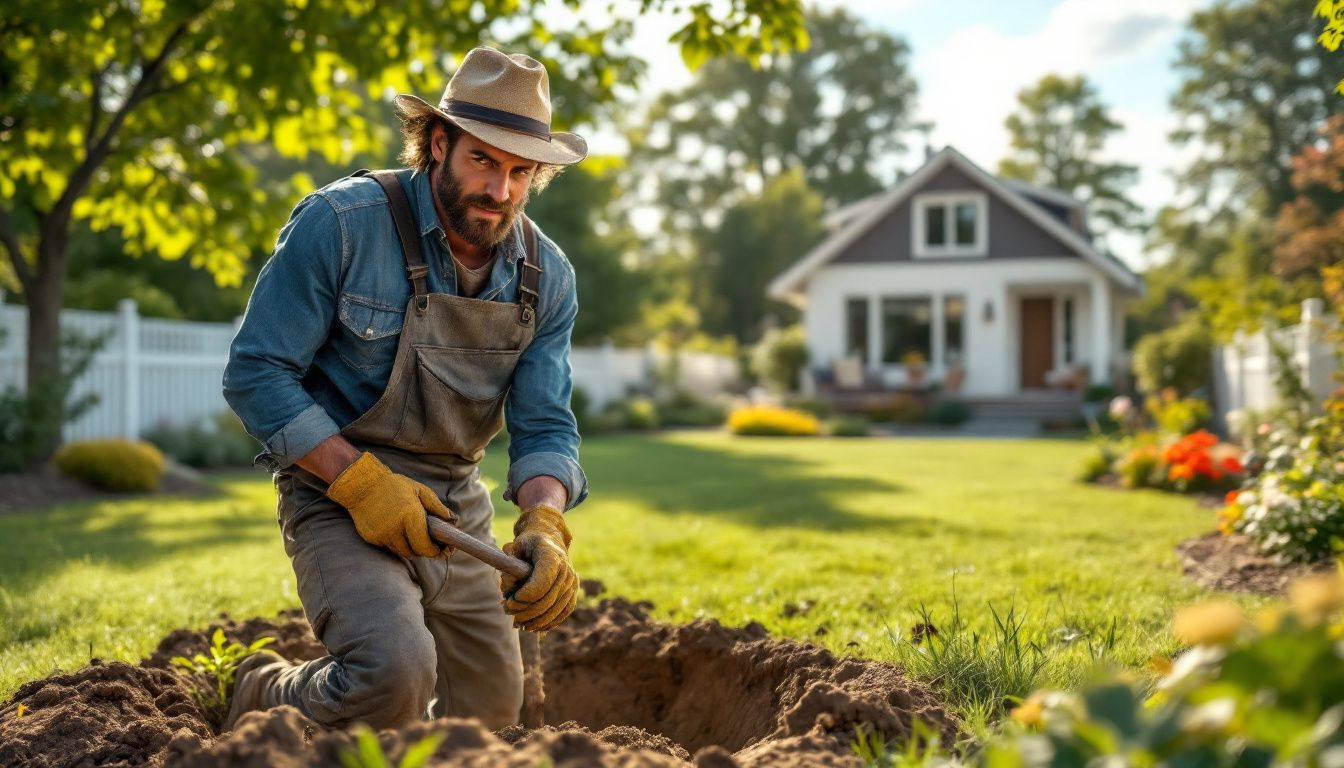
392 679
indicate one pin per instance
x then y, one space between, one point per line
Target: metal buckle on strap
421 303
526 315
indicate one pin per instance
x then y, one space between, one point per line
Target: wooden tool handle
443 532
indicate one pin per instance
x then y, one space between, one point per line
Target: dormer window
952 224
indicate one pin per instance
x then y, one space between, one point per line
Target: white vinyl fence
1245 370
167 372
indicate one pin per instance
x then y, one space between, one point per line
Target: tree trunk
45 397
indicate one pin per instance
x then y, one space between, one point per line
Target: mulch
47 487
1234 564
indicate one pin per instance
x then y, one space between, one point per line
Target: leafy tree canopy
1057 135
835 111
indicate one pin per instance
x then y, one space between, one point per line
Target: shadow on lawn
36 544
767 490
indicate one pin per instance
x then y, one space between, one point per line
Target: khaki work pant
398 633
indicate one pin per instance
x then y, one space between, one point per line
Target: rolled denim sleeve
288 318
543 435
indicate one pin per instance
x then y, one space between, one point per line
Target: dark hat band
499 117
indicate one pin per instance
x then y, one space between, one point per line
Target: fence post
129 321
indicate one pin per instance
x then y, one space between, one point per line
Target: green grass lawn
867 531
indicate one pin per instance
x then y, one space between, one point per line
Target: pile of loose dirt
628 691
1234 564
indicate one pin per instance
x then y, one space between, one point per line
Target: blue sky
970 59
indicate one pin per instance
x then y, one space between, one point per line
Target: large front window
951 224
907 325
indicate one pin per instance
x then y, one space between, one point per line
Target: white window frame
919 246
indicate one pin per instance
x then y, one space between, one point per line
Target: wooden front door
1038 341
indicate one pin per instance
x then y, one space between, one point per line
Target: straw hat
505 101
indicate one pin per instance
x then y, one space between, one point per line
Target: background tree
582 209
759 237
134 115
837 111
1255 89
1057 135
1310 228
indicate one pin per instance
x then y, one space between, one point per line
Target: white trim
789 285
919 246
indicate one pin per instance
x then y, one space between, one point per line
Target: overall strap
531 277
404 218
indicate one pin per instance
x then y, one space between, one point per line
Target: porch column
1101 331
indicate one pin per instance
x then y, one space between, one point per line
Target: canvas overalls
398 632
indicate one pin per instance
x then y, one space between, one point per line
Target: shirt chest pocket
369 331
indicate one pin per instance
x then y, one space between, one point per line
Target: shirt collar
510 250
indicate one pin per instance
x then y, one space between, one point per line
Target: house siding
990 337
1011 235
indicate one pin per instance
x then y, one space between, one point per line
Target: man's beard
482 233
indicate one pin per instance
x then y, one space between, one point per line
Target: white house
995 281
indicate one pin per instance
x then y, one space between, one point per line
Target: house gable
1060 239
1011 234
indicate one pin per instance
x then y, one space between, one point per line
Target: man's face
482 189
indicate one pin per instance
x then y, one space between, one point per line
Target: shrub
1140 467
819 408
696 415
221 442
1179 357
772 420
580 404
1096 463
113 465
1294 509
950 413
639 413
849 426
902 408
30 423
779 357
1176 415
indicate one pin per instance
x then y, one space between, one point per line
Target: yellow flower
1212 623
1270 618
1031 712
1160 665
23 709
1316 598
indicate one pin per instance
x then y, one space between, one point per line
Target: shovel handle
443 532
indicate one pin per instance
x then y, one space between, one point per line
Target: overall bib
399 632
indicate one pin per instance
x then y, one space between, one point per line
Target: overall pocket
369 331
456 402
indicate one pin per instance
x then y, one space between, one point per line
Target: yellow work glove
550 592
389 509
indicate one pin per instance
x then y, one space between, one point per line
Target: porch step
1045 407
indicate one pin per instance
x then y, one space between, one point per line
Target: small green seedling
220 666
368 753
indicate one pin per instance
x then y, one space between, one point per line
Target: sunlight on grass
839 542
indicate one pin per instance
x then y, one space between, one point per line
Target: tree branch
95 106
11 241
97 154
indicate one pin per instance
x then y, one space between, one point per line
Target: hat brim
563 148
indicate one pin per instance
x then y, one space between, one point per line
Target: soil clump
1234 564
628 691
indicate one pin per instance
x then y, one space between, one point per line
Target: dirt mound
104 714
629 692
1234 564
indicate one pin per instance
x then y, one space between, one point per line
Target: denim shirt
317 343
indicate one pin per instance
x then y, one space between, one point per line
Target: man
375 361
